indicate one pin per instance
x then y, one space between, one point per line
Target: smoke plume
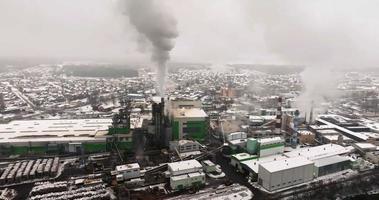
155 24
323 35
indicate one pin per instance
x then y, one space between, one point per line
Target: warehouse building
330 165
185 148
280 174
318 152
128 171
186 174
42 136
237 159
251 166
265 146
237 141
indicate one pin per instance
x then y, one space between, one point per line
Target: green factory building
189 123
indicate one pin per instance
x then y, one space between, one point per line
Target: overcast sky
322 32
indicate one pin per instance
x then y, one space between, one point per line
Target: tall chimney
278 124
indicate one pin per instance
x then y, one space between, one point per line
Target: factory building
251 166
330 165
297 166
185 147
186 174
341 124
306 137
265 146
121 129
237 141
191 123
43 136
284 173
237 159
128 171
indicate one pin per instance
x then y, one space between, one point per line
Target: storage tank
252 145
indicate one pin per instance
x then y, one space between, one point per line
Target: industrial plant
204 138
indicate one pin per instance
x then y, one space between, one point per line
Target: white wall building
129 171
184 167
280 174
184 174
187 180
270 146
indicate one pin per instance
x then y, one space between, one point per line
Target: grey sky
324 32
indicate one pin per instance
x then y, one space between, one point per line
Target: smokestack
278 124
311 113
157 26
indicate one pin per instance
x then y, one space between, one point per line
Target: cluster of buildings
30 169
248 117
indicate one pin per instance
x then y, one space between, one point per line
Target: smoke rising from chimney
158 26
325 36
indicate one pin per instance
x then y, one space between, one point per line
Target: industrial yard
194 143
198 100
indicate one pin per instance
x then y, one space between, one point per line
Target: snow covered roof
317 152
289 163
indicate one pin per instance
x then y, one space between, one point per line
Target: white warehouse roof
342 129
254 163
127 167
270 140
31 130
317 152
289 163
184 165
189 112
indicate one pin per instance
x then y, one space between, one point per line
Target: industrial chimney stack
278 124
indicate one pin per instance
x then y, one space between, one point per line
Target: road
21 96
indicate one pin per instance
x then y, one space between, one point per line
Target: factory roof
184 165
289 163
238 142
41 129
344 130
270 140
318 152
328 132
156 99
330 160
321 127
127 167
77 140
185 176
305 132
365 146
243 156
189 112
371 134
335 138
208 163
254 163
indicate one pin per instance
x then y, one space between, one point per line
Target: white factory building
186 174
284 173
301 165
21 136
128 171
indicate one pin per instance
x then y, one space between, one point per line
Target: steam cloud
156 25
325 36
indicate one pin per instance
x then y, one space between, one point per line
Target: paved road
236 177
21 96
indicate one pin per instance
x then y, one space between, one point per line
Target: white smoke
317 89
323 35
154 23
